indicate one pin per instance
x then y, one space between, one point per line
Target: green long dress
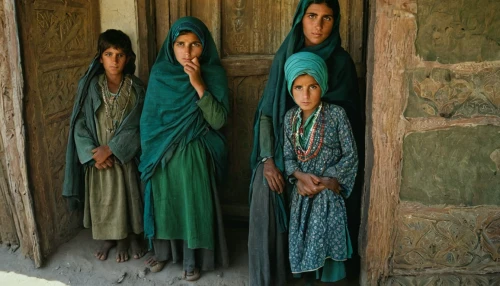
182 190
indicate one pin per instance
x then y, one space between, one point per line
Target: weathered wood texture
147 42
247 34
59 39
8 233
17 215
450 244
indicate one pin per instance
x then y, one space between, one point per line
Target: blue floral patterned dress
323 146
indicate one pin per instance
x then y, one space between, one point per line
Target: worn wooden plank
52 35
355 36
13 136
162 17
146 32
392 47
247 66
209 12
8 233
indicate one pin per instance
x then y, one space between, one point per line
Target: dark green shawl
342 89
171 115
125 142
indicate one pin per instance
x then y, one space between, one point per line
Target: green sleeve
213 111
266 137
83 140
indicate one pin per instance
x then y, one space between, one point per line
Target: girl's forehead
115 50
188 36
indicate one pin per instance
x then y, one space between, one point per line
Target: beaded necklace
113 109
310 152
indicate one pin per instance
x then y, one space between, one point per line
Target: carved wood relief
59 41
452 94
60 85
245 95
448 28
445 280
61 29
436 240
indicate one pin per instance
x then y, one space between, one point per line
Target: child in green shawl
320 147
183 153
315 29
104 134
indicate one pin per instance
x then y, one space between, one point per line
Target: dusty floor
74 264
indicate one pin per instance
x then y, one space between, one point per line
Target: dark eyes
181 44
111 54
326 18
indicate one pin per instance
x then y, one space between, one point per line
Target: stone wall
434 127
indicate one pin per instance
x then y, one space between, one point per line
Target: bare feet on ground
155 265
102 252
137 247
122 250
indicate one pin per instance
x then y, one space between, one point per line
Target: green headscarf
342 89
171 116
306 63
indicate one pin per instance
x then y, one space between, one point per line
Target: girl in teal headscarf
319 146
183 154
315 29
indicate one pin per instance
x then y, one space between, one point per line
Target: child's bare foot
122 250
155 265
102 252
136 247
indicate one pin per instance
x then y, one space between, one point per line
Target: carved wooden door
58 41
247 34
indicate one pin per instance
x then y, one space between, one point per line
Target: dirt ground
74 264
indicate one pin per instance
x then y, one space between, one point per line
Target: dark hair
119 40
333 4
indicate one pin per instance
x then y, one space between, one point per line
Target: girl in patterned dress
319 147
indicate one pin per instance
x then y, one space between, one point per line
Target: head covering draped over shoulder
275 102
171 116
74 173
306 63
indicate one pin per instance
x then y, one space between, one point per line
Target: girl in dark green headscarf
183 154
315 29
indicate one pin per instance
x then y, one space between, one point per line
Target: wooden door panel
247 34
59 40
255 27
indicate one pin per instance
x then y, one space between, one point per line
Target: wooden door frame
12 132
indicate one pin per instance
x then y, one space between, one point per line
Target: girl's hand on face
193 69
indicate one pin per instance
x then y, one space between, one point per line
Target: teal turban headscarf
306 63
171 116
